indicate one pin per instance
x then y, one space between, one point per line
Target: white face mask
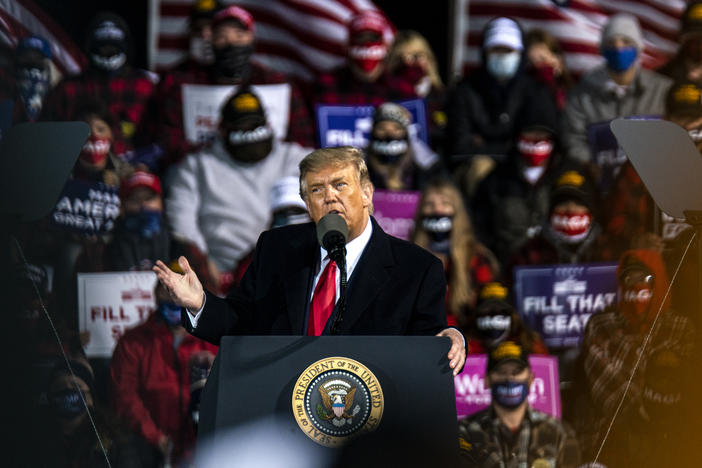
503 66
111 63
200 50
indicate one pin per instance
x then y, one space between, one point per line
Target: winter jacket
150 382
592 102
482 114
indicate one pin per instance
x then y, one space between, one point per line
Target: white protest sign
110 303
202 103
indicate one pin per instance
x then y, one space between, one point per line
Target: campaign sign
86 207
394 211
472 395
110 303
351 125
606 152
202 104
557 300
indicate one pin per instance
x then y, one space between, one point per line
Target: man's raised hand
185 290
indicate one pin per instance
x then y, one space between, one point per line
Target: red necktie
323 300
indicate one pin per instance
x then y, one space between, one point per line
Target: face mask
389 150
571 228
634 302
285 218
534 151
368 56
111 63
67 404
438 227
661 405
509 394
493 328
201 51
146 223
233 61
503 66
620 60
249 146
695 134
545 73
32 85
95 150
170 313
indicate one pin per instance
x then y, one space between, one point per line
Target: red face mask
634 302
368 56
95 150
534 151
571 226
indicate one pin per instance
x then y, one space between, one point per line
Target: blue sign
86 207
557 300
606 152
351 125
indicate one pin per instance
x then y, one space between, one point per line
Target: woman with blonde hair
412 68
443 227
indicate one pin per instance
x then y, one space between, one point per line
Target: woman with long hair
443 227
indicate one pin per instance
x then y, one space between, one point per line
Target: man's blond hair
339 157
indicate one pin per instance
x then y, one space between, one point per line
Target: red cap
374 21
234 12
140 179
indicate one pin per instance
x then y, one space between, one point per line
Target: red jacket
150 388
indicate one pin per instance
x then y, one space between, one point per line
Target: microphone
332 233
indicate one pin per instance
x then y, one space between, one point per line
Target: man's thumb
183 262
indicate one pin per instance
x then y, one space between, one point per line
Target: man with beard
233 40
219 198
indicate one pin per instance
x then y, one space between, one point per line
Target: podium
326 391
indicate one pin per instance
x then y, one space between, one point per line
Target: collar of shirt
354 249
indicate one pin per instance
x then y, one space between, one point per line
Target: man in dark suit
291 286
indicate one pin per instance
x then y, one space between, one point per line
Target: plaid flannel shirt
126 95
487 443
342 88
167 126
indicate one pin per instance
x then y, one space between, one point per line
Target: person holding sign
510 432
290 288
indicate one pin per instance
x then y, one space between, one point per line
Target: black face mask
493 328
438 227
233 61
389 150
66 404
249 146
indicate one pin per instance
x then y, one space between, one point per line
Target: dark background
74 15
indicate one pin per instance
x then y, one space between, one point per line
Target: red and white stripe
577 26
299 37
21 18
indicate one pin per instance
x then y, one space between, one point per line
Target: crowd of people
509 179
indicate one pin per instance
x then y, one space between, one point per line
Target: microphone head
332 231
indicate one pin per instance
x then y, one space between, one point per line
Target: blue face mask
503 66
67 403
146 223
32 85
509 394
170 313
620 60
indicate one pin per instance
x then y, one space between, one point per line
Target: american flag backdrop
575 23
297 37
21 18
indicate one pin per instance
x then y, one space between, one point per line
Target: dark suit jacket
397 288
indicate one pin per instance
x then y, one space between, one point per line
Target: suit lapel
369 276
296 281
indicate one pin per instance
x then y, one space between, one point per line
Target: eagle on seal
337 404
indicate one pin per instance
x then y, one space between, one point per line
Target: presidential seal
336 399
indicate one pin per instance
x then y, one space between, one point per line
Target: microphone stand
338 254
